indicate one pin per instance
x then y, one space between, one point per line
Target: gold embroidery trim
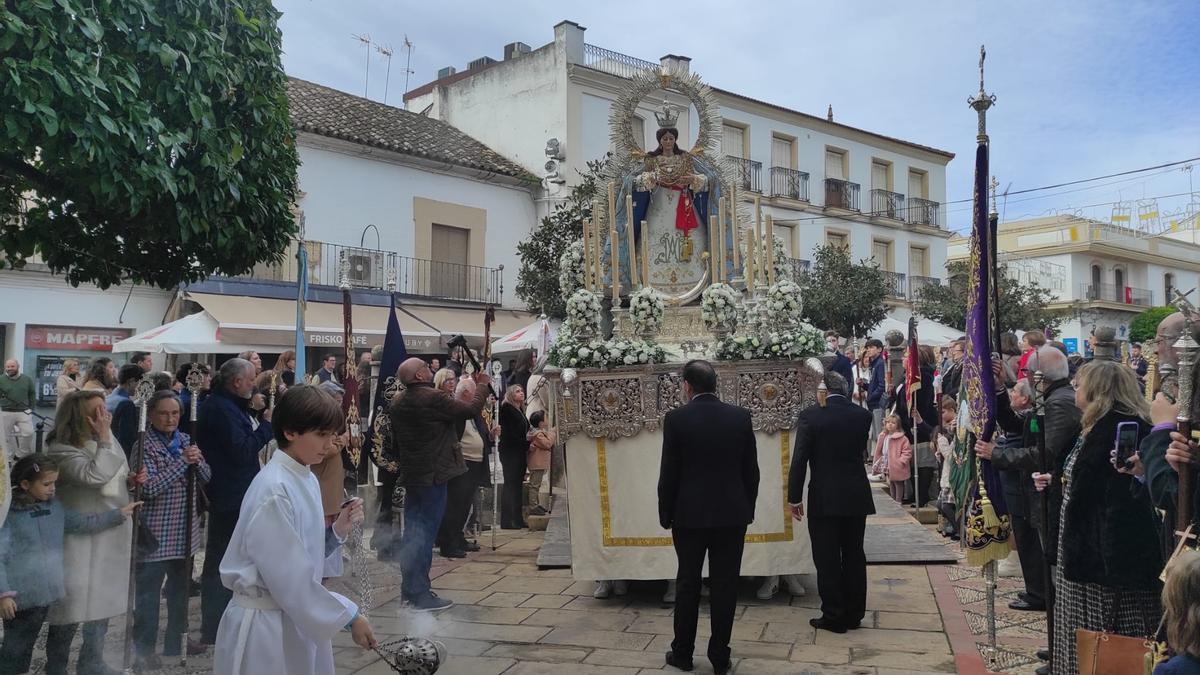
761 538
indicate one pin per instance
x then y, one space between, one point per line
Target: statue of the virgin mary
672 192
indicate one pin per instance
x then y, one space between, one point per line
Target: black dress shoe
471 547
1043 654
1043 669
677 662
453 553
825 624
1023 605
722 669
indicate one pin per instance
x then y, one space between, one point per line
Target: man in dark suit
830 438
706 492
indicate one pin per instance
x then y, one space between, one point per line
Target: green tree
843 295
143 140
1022 305
537 280
1145 325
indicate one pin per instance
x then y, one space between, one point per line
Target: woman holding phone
1109 557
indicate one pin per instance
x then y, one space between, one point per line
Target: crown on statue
668 117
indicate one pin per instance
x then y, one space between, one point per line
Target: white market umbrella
929 332
193 334
537 335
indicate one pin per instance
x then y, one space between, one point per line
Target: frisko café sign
360 340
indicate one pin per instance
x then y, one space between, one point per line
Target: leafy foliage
841 294
538 281
144 140
1145 325
1022 306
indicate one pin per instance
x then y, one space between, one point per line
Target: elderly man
952 378
17 396
229 437
426 445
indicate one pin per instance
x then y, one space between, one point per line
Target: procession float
669 268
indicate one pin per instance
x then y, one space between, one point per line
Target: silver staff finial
344 270
982 101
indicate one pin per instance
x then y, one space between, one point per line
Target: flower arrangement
583 312
646 309
784 302
571 352
719 307
797 343
570 269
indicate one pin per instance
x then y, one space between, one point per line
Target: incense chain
358 558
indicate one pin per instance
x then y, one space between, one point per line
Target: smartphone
1127 441
348 502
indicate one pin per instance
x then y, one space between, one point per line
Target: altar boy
281 620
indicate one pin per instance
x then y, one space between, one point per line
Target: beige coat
92 479
66 385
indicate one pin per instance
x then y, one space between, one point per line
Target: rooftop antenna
408 48
387 54
366 40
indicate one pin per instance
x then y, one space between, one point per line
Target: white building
390 189
822 181
1108 273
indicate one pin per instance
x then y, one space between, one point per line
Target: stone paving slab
893 536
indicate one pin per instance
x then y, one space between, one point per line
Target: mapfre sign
74 338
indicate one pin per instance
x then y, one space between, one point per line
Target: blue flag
301 303
394 353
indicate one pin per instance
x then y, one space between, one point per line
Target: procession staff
195 380
145 389
1039 429
495 459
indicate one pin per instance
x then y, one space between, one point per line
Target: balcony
798 266
887 204
749 173
1127 295
894 285
841 194
615 63
922 211
916 283
369 268
789 183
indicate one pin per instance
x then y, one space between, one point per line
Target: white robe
281 619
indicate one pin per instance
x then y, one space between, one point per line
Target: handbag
1106 653
147 543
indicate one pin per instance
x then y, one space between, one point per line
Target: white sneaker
769 588
794 586
1010 567
620 587
603 590
669 596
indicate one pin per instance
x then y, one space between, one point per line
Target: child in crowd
541 442
944 437
31 555
893 456
1181 607
281 619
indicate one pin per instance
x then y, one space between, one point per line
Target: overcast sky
1085 88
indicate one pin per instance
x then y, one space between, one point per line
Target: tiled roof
336 114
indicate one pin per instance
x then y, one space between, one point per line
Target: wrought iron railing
789 183
922 211
368 268
841 194
748 172
917 282
614 63
887 204
1126 295
894 284
798 266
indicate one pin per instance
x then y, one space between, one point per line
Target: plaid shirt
165 494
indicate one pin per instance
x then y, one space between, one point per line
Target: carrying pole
1039 421
141 397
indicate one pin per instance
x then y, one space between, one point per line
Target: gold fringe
996 551
990 520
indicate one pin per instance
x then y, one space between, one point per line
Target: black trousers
20 634
387 536
91 654
150 576
459 493
214 597
513 465
724 548
1029 551
837 549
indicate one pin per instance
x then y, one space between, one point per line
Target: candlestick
712 251
758 235
721 272
645 254
750 259
737 232
770 246
596 245
614 260
630 239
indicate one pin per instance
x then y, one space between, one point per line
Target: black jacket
1110 530
1062 429
925 405
424 438
831 440
1163 483
513 427
952 379
842 366
709 471
230 443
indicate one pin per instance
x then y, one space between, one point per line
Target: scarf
174 445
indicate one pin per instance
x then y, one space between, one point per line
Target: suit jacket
832 439
709 472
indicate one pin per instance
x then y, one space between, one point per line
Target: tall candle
750 258
587 254
630 239
758 235
596 245
614 260
770 246
645 254
737 231
721 236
